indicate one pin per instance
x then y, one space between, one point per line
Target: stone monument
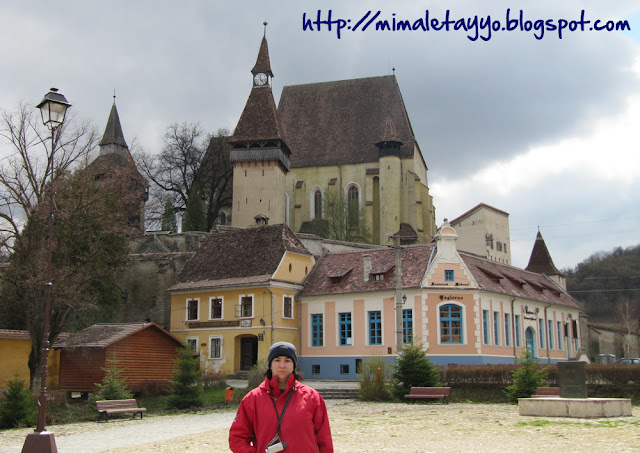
571 380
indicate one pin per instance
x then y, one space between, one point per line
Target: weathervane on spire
114 95
265 28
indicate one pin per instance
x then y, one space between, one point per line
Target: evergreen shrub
17 406
113 385
526 378
186 387
414 369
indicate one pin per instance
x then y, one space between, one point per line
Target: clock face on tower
260 79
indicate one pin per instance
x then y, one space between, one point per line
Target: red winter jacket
304 427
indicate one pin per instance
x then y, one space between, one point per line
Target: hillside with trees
608 284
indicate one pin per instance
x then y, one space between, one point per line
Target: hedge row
486 383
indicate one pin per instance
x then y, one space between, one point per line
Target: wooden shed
144 351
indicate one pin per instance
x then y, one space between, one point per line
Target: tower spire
259 192
113 134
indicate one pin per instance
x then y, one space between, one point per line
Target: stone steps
338 393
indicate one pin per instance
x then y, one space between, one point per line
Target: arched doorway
248 351
530 337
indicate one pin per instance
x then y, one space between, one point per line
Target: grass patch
75 410
598 424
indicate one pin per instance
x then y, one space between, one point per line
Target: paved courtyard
362 427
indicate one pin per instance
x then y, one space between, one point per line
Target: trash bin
228 394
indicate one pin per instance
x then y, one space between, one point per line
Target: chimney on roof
366 266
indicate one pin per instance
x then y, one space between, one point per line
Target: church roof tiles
335 123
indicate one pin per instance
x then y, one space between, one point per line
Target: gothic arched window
352 194
317 204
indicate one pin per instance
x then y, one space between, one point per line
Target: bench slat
429 393
107 407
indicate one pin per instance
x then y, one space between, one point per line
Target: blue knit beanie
282 348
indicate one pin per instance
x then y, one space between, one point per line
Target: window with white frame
215 347
287 307
193 306
317 329
246 306
450 324
192 343
485 326
496 328
407 326
560 336
345 329
216 308
375 327
507 329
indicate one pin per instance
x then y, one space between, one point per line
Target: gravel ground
374 427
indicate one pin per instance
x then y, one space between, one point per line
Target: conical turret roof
259 120
540 261
262 62
113 132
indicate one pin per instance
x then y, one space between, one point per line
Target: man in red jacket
281 414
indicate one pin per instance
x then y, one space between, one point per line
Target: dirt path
375 427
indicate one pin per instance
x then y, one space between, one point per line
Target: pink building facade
463 308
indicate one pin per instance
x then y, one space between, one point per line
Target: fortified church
231 293
350 139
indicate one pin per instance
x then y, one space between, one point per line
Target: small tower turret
540 262
259 154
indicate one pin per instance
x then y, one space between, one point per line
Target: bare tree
89 249
215 176
629 317
191 162
24 173
342 219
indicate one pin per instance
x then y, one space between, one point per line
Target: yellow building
237 296
15 346
349 139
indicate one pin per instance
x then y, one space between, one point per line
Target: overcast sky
547 130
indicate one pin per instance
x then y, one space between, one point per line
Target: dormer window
378 277
338 275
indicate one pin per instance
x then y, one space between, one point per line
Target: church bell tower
259 153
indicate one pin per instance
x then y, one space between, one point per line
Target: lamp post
53 109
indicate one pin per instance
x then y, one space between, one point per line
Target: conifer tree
17 406
526 378
186 387
169 217
414 369
113 385
195 218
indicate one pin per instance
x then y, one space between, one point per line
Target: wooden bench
545 392
429 393
118 407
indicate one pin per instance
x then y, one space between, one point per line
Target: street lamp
53 109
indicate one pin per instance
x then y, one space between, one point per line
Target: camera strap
286 403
